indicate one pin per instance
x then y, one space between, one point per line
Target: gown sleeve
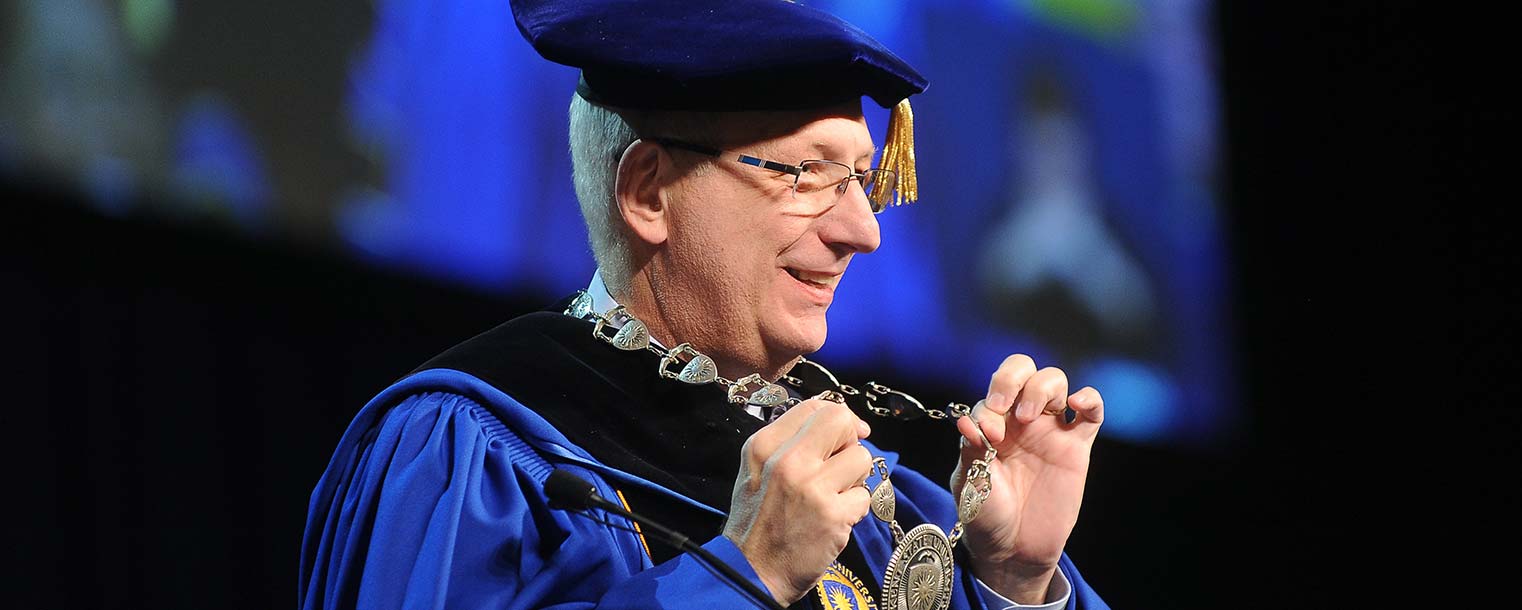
434 503
928 502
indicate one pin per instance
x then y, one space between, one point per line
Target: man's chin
804 337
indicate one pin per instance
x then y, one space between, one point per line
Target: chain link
959 410
956 533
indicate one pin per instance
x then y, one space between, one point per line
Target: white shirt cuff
1057 595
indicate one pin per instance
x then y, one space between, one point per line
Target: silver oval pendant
699 370
974 492
884 502
919 575
631 336
770 395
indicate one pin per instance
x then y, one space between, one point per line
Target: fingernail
1026 410
863 429
998 402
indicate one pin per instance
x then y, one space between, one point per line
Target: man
724 171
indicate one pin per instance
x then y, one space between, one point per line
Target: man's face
755 267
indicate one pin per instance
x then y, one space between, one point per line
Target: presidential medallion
919 575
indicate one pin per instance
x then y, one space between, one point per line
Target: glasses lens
821 178
820 183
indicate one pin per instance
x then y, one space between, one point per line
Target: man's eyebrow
824 151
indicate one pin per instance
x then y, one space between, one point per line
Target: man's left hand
1037 479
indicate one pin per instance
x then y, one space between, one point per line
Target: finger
863 430
1003 386
991 422
772 437
788 424
856 502
1045 389
1088 404
1007 381
831 428
848 468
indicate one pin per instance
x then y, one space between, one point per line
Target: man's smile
817 279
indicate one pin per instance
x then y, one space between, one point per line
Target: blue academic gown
435 499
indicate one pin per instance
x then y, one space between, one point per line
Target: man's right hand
800 489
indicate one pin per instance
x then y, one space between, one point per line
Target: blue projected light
1066 197
469 123
216 162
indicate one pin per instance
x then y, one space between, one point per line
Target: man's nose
850 224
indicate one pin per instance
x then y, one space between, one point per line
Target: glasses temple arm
716 153
771 165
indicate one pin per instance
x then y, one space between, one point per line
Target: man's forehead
855 146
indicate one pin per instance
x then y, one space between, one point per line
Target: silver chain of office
920 571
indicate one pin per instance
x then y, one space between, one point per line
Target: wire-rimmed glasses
816 182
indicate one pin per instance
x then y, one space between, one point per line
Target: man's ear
638 190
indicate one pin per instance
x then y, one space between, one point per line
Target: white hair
598 137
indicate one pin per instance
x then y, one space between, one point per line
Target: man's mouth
827 281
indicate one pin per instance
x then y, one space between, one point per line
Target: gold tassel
898 155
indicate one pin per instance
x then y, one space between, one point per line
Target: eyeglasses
816 182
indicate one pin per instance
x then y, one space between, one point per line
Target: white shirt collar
602 300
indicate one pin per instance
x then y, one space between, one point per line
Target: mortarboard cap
726 55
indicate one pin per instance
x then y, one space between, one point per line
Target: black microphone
566 491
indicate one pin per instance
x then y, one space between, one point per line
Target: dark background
176 390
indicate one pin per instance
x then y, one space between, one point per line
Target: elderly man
724 170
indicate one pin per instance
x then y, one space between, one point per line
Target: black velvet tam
714 54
